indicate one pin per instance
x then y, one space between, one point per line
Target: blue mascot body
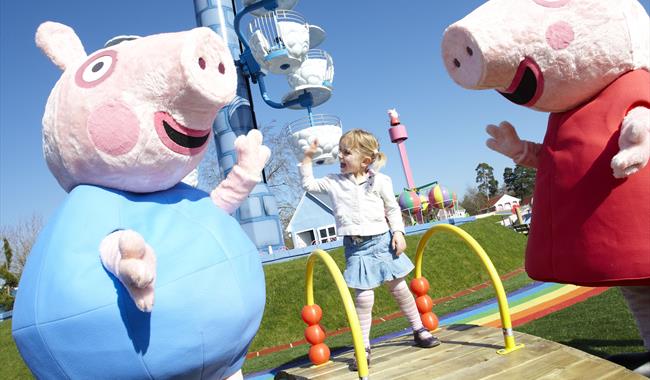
73 319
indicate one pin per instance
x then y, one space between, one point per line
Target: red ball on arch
319 353
311 314
419 286
430 321
424 304
314 334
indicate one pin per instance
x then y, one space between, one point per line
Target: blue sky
385 55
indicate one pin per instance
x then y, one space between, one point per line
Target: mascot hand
133 262
251 154
504 140
634 143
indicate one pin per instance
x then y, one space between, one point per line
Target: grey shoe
354 366
425 342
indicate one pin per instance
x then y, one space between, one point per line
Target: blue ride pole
258 215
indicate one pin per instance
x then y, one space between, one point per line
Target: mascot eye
96 69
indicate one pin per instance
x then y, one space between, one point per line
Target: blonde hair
366 144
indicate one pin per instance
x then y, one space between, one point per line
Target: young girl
368 217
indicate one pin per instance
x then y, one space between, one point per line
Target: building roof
496 200
321 199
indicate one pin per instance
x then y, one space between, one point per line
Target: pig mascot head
586 62
550 55
135 116
122 127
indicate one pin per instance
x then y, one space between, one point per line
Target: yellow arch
350 311
504 311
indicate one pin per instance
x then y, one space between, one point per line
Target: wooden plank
623 374
343 360
465 337
589 368
454 355
572 371
388 355
553 361
380 353
469 352
465 359
455 335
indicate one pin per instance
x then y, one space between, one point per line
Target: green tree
508 180
485 180
10 278
520 182
473 201
21 236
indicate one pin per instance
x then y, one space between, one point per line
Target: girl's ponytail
379 161
366 144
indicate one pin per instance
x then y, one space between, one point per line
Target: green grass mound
449 265
601 325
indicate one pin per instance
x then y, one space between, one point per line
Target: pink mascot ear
60 43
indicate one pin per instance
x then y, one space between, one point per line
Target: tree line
17 242
518 182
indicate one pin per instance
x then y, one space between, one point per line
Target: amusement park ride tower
398 135
279 42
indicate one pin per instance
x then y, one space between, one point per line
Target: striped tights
365 299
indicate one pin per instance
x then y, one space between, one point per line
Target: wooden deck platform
469 352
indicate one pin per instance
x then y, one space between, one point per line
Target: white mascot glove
634 143
251 154
504 140
129 258
251 159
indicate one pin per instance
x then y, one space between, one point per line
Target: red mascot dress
590 228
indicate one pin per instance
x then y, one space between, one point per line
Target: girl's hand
398 243
309 153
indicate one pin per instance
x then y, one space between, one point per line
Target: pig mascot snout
586 62
138 275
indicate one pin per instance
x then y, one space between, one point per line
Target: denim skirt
371 262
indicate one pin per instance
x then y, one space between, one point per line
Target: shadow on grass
600 347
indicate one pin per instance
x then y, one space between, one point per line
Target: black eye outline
96 69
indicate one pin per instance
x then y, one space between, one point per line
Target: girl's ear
366 162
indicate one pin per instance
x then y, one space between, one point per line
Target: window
327 234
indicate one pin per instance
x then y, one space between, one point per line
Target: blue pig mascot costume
138 275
